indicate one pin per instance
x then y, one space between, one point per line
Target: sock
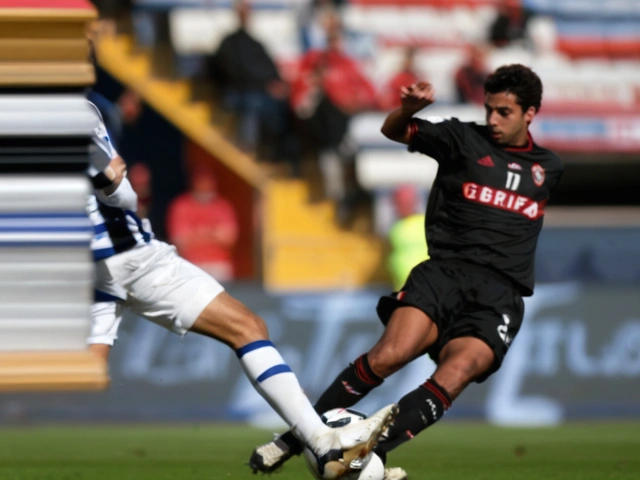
351 386
355 381
419 409
279 386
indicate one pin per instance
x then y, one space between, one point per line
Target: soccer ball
372 466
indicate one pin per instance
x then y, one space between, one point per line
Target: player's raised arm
116 171
414 98
108 174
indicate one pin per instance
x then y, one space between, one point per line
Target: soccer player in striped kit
136 271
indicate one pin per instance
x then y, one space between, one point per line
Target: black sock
353 384
419 409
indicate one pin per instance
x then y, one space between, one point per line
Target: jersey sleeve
101 152
555 175
436 137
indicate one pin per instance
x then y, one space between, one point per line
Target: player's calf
419 409
350 386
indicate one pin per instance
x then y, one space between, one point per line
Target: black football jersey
487 201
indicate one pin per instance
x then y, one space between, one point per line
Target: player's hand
417 96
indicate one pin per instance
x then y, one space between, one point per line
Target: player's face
507 122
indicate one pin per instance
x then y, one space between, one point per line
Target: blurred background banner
577 356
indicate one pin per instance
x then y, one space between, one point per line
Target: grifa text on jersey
503 199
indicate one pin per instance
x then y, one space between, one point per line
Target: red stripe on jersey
413 129
527 148
503 200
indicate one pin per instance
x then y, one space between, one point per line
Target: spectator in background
470 77
313 17
510 25
406 236
203 226
249 83
129 105
139 176
328 90
112 11
407 75
125 111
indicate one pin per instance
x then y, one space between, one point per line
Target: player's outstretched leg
462 360
230 321
335 448
350 386
419 409
409 332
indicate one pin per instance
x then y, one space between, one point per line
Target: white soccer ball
372 466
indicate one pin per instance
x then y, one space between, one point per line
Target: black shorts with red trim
464 300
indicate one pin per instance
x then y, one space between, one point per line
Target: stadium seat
440 66
199 30
386 168
508 55
354 17
386 64
278 31
466 24
193 31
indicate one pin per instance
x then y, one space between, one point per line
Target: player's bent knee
255 329
454 374
229 321
387 359
468 368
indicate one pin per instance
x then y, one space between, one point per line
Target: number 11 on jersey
513 181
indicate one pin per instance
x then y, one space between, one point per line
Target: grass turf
449 451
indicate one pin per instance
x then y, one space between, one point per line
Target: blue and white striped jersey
116 228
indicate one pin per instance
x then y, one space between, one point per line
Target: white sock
279 386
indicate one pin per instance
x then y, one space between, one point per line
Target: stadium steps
37 371
44 46
304 249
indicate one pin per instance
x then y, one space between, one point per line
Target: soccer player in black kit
464 306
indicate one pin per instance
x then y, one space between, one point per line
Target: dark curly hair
519 80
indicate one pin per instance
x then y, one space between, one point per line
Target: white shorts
105 320
155 283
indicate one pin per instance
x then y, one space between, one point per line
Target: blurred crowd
303 115
308 115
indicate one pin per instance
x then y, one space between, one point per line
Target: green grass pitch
449 451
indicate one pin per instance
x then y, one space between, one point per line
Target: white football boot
339 450
269 457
